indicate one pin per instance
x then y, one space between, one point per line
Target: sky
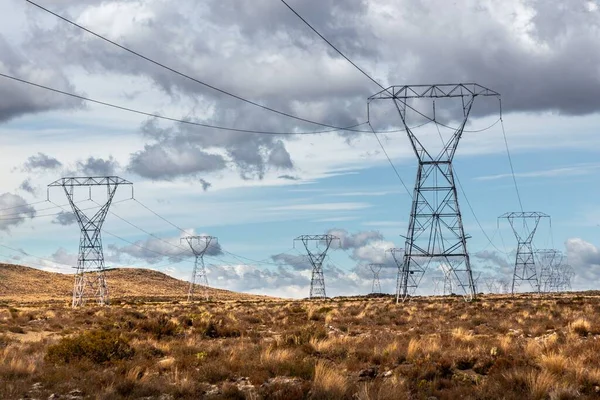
257 192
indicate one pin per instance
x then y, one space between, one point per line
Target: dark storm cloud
525 50
41 162
98 166
16 210
17 99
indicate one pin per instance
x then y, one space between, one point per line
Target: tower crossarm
90 181
444 90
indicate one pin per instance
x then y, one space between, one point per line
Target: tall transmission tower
376 285
199 246
435 229
90 281
316 258
525 269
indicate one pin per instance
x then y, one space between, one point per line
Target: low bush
96 346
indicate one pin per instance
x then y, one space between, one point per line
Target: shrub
96 346
159 327
581 326
218 329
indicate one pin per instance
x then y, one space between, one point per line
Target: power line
24 205
180 73
475 216
332 46
512 169
159 216
390 161
31 255
183 121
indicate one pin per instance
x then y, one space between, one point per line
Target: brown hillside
22 283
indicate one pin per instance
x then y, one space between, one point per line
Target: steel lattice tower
525 269
437 281
202 243
435 230
548 260
89 278
316 258
410 278
376 285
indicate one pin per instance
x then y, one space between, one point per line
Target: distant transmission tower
316 258
435 229
525 269
376 286
437 281
548 260
199 246
411 278
89 278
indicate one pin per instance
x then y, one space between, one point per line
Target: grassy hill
22 283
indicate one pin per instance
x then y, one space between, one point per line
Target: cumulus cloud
297 262
584 257
153 250
41 162
16 210
183 151
355 240
65 218
499 262
27 186
93 166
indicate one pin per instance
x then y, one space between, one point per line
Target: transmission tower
525 269
89 278
316 258
437 281
435 229
409 278
491 285
548 260
376 285
199 246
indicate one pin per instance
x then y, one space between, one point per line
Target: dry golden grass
497 347
25 284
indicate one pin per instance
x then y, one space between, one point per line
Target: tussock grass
350 348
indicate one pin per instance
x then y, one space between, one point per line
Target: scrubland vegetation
497 347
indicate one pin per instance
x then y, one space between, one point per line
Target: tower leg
436 232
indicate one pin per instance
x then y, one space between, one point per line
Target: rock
244 385
36 386
165 363
74 394
53 396
282 387
387 374
213 390
368 373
